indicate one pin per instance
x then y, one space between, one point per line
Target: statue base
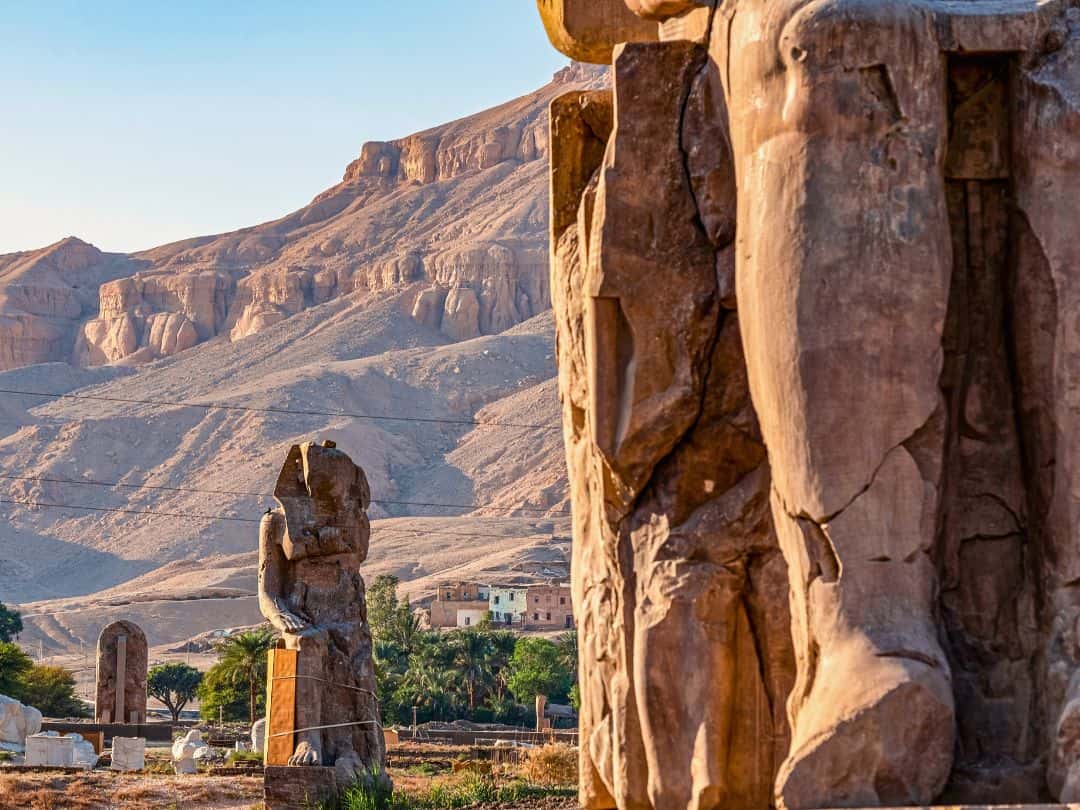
289 787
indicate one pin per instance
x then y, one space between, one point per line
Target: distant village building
521 607
507 604
549 607
460 604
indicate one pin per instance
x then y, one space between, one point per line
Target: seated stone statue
310 588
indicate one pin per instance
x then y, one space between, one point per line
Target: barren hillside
404 314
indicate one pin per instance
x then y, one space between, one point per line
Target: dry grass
104 790
552 764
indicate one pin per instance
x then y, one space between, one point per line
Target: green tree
568 650
14 664
391 620
538 667
10 623
51 690
174 685
473 654
242 659
382 603
221 696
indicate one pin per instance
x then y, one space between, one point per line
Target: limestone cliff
456 215
45 293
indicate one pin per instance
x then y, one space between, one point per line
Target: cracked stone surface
675 557
823 257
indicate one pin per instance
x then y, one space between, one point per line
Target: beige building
549 608
459 604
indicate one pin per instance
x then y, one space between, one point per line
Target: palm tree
243 659
568 650
426 683
473 653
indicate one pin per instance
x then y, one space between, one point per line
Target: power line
197 516
287 411
200 491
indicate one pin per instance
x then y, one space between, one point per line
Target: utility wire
195 516
253 409
161 487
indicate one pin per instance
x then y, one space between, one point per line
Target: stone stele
823 253
121 674
310 589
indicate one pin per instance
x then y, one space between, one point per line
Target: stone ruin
121 674
322 708
815 276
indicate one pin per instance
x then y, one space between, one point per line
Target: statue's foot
876 730
305 754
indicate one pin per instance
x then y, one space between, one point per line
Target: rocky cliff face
44 295
457 214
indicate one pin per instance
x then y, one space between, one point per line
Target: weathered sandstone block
121 674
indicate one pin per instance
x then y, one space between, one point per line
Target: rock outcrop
891 188
457 207
45 294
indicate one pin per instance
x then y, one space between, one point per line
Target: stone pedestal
286 788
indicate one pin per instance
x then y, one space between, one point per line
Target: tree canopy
242 666
174 685
14 664
51 690
10 623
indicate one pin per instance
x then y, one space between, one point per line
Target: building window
549 617
536 599
536 617
562 600
569 621
468 620
496 600
510 596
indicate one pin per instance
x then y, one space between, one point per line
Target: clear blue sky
130 124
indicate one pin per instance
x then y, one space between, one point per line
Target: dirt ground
107 790
414 768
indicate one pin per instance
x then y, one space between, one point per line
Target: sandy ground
105 790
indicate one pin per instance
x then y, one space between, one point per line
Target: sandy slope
359 354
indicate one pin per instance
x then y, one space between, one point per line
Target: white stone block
128 753
258 734
50 749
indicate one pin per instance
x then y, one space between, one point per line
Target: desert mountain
403 314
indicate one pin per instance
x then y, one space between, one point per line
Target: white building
507 604
471 617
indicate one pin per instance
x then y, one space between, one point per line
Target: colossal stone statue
121 674
310 588
889 186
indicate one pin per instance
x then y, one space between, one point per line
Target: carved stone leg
843 250
1047 297
309 694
